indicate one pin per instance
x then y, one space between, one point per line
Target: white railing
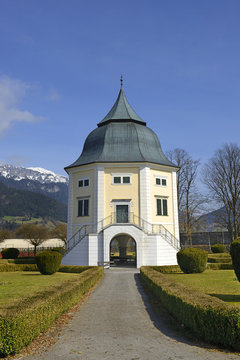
113 219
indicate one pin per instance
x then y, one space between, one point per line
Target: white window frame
161 198
121 179
83 180
161 178
83 199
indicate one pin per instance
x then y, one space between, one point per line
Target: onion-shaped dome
122 136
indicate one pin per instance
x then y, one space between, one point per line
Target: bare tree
60 232
222 177
5 234
190 201
34 234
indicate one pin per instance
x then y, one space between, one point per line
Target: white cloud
52 95
12 92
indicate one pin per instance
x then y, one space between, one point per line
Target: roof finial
121 80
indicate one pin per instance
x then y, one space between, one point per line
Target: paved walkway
117 323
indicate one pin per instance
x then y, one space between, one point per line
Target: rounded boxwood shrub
61 250
218 248
192 260
48 262
10 253
235 254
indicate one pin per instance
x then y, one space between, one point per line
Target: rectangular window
160 181
162 207
83 182
126 179
117 180
121 179
86 182
164 182
83 207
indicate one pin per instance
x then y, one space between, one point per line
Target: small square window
117 180
164 182
86 182
158 181
126 179
83 182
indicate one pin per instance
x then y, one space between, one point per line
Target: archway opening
123 251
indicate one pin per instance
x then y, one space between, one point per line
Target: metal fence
206 238
28 251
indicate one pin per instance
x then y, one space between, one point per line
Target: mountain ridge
37 180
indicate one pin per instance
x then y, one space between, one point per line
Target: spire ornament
121 80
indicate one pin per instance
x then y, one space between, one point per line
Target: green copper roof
121 112
122 136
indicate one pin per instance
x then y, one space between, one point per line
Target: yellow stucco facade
121 193
162 192
117 192
82 193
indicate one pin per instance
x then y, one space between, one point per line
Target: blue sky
61 61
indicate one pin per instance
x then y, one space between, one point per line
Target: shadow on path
164 322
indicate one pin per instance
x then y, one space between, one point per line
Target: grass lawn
220 283
15 285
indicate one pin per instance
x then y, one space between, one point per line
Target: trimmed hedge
219 258
206 316
23 260
218 248
61 250
192 260
220 266
74 268
10 253
24 320
48 262
168 269
235 254
7 267
17 267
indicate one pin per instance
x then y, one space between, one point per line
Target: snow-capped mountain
35 179
32 173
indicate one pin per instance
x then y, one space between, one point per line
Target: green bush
61 250
208 317
10 253
235 254
24 320
48 262
218 248
192 260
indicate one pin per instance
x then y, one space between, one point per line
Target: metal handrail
112 219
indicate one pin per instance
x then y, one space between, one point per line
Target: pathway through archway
123 250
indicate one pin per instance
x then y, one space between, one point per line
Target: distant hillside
37 180
211 219
26 203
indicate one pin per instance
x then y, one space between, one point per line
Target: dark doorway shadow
169 326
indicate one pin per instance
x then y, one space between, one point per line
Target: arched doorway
123 251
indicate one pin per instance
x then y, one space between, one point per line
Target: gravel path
118 323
